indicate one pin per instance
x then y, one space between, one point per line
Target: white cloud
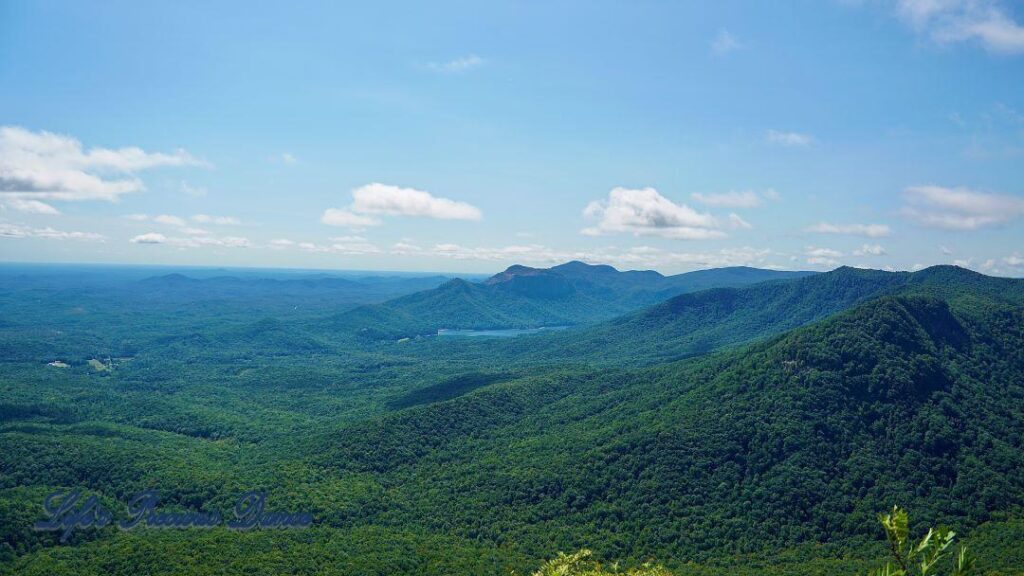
149 238
823 252
826 257
960 208
987 22
47 166
789 138
736 199
289 159
379 198
169 220
19 231
218 220
29 206
724 43
945 251
1015 260
646 212
461 64
344 218
869 230
870 250
192 242
346 245
226 241
405 249
736 221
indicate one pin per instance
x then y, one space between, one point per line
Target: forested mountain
525 297
800 409
803 438
696 323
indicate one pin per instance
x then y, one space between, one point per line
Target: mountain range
732 421
524 297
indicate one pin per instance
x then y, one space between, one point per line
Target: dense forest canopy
724 422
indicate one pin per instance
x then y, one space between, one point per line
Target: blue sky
467 137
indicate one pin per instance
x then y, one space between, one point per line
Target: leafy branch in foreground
580 564
923 556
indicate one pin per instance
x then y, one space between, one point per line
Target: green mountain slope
696 323
524 297
909 399
421 458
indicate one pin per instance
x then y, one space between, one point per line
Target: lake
498 333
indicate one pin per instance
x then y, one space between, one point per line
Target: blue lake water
501 333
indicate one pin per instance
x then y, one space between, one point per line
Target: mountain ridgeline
524 297
696 323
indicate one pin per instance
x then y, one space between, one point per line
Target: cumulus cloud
1015 260
646 212
169 220
345 245
960 208
384 199
29 206
19 231
191 241
869 230
826 257
870 250
379 198
461 64
735 221
149 238
46 166
792 139
193 237
987 22
725 43
346 219
405 249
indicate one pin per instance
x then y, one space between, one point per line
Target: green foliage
581 564
923 558
437 456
